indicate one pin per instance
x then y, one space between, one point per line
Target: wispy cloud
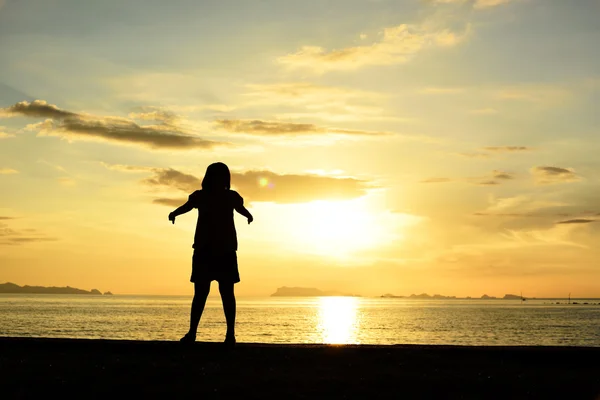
67 181
554 175
577 221
75 126
270 128
171 202
477 4
330 103
558 235
474 155
8 171
545 95
397 45
15 236
522 204
507 149
495 178
4 134
37 109
502 175
258 185
155 114
436 180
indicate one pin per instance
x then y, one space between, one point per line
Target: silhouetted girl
215 245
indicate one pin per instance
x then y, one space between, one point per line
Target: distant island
13 288
307 292
425 296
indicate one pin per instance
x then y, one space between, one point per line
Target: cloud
306 100
522 204
154 114
485 214
125 168
8 171
275 128
10 236
479 4
170 202
397 45
491 151
3 134
4 218
436 180
554 175
174 179
262 185
546 95
558 235
507 149
66 181
31 239
577 221
502 175
488 183
71 125
474 155
37 109
480 181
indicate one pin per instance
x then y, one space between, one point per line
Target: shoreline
101 368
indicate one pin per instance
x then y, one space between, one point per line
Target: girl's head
217 177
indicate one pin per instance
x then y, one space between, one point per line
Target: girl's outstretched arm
181 210
244 211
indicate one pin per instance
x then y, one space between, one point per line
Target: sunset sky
383 146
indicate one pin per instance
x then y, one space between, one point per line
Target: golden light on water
339 320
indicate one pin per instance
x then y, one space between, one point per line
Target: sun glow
339 228
338 320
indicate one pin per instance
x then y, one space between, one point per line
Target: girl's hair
217 177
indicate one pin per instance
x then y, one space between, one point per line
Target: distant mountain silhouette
425 296
13 288
306 292
392 296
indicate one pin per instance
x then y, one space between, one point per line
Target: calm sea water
305 320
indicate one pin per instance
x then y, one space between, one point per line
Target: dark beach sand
71 368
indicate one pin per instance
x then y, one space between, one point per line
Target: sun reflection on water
338 320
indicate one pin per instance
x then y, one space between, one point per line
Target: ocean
334 320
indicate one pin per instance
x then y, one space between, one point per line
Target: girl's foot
229 340
188 338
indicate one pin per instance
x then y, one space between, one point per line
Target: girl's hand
172 217
250 219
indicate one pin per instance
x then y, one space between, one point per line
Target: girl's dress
215 241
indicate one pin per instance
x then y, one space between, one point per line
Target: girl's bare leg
229 306
201 291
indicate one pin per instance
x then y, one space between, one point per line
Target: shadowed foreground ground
108 369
